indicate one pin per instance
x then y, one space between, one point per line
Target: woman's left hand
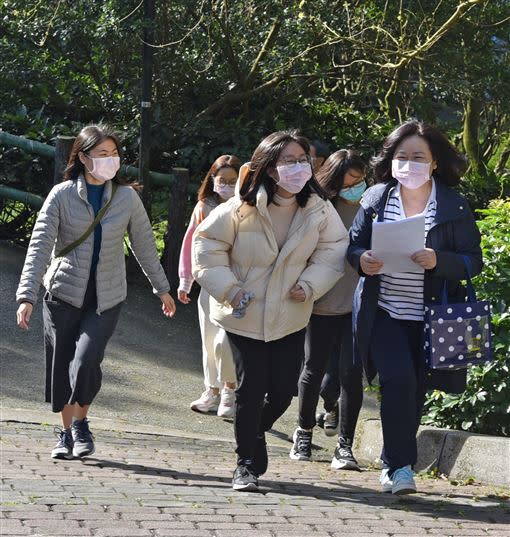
426 258
168 306
297 293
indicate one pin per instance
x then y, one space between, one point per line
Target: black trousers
396 349
75 340
329 346
267 374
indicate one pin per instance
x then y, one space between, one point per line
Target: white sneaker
207 402
386 482
226 408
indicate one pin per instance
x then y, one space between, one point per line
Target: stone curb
457 454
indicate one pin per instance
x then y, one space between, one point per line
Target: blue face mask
353 193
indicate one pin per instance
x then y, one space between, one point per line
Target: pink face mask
409 173
293 177
224 191
105 168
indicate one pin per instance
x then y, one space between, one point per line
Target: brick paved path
148 485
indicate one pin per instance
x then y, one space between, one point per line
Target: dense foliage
226 73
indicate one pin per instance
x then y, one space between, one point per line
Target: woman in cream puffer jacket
265 256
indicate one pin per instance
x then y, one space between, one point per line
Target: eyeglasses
289 161
221 182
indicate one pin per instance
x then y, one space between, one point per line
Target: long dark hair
450 163
265 156
88 138
332 173
207 185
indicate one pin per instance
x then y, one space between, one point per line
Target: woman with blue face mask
329 333
415 173
86 280
265 256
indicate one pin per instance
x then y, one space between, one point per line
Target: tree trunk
63 146
503 159
471 134
176 227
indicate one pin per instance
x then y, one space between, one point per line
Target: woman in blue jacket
414 174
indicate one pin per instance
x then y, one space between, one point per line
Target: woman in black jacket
414 174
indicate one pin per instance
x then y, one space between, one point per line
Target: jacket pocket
51 273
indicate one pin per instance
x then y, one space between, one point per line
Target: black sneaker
260 456
343 459
64 447
319 419
244 477
302 447
331 422
83 439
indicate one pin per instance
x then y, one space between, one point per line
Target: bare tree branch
264 51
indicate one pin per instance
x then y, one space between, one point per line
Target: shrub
484 407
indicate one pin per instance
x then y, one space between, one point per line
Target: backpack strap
91 228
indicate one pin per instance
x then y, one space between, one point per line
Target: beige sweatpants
217 357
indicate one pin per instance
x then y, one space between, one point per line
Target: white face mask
409 173
293 177
104 168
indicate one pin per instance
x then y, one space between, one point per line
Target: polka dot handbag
458 335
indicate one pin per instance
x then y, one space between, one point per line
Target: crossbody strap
92 226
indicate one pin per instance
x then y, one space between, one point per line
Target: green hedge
484 407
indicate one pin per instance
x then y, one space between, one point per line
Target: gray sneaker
83 439
64 447
245 478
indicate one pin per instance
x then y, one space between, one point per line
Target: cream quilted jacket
235 248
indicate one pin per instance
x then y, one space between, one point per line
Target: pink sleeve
185 276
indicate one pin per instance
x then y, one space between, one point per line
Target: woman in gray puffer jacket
85 285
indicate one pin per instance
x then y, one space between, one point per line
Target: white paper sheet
395 242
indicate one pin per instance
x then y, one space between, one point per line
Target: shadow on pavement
425 503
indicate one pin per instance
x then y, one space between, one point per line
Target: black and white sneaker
244 477
82 437
302 447
343 459
331 422
64 447
319 419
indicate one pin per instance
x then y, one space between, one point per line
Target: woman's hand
426 258
369 264
237 298
168 306
23 314
297 293
183 297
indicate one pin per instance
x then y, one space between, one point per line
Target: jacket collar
81 185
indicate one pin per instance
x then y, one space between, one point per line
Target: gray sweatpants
74 341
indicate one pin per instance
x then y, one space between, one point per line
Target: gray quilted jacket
64 217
